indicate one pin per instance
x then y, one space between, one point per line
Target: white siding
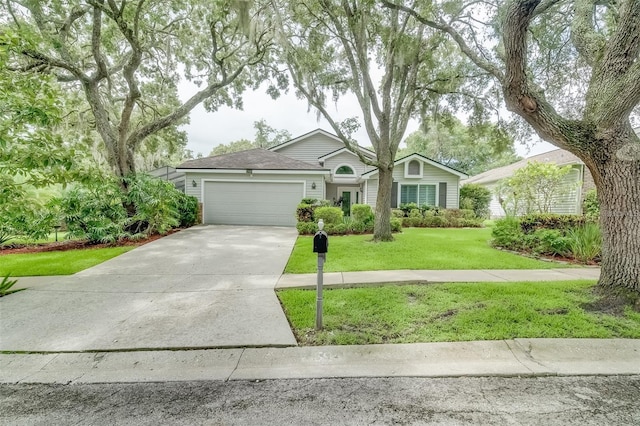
568 202
371 192
311 148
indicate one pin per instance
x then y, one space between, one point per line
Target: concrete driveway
204 287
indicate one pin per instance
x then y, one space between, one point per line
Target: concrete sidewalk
508 358
344 279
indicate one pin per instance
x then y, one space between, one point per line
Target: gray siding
345 158
311 148
432 176
568 201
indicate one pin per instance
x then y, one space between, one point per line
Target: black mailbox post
320 246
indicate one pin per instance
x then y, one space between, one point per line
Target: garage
251 203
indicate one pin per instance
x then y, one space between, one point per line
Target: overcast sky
207 130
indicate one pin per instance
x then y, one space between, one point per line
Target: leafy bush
507 233
396 224
330 215
471 223
336 229
477 198
397 213
362 213
304 212
563 222
591 205
307 228
585 242
310 201
415 213
407 207
156 203
188 210
95 212
551 242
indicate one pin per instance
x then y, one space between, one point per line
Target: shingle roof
559 157
254 159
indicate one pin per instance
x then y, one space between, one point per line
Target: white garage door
251 203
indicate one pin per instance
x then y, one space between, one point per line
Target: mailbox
320 242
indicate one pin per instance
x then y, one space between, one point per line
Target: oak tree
571 70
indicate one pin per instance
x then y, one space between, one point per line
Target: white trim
406 169
312 133
257 172
212 170
437 186
371 173
342 175
365 152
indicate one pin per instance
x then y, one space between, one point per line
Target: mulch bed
74 245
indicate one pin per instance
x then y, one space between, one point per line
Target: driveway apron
203 287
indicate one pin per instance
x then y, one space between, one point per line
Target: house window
413 169
419 194
345 170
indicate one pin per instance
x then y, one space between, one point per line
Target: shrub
436 222
407 207
396 224
415 213
585 242
397 213
304 212
156 203
306 228
551 242
591 206
563 222
310 201
476 198
330 215
469 214
95 212
507 233
336 228
416 221
471 223
362 213
188 210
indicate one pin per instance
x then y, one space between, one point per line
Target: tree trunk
382 225
618 183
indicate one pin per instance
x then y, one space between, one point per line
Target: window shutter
442 196
394 195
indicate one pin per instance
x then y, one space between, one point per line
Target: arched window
345 170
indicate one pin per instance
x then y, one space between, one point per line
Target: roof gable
254 159
331 154
426 160
559 157
365 151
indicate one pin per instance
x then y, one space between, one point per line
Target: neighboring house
263 187
578 181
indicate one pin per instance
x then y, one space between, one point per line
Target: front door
349 196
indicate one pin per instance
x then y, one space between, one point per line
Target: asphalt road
602 400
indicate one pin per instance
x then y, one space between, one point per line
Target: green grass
453 312
56 262
414 248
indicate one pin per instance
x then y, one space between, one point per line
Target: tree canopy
392 64
266 137
571 70
125 60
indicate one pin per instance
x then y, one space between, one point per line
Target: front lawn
414 248
453 312
56 262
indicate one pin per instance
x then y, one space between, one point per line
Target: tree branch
471 54
585 38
